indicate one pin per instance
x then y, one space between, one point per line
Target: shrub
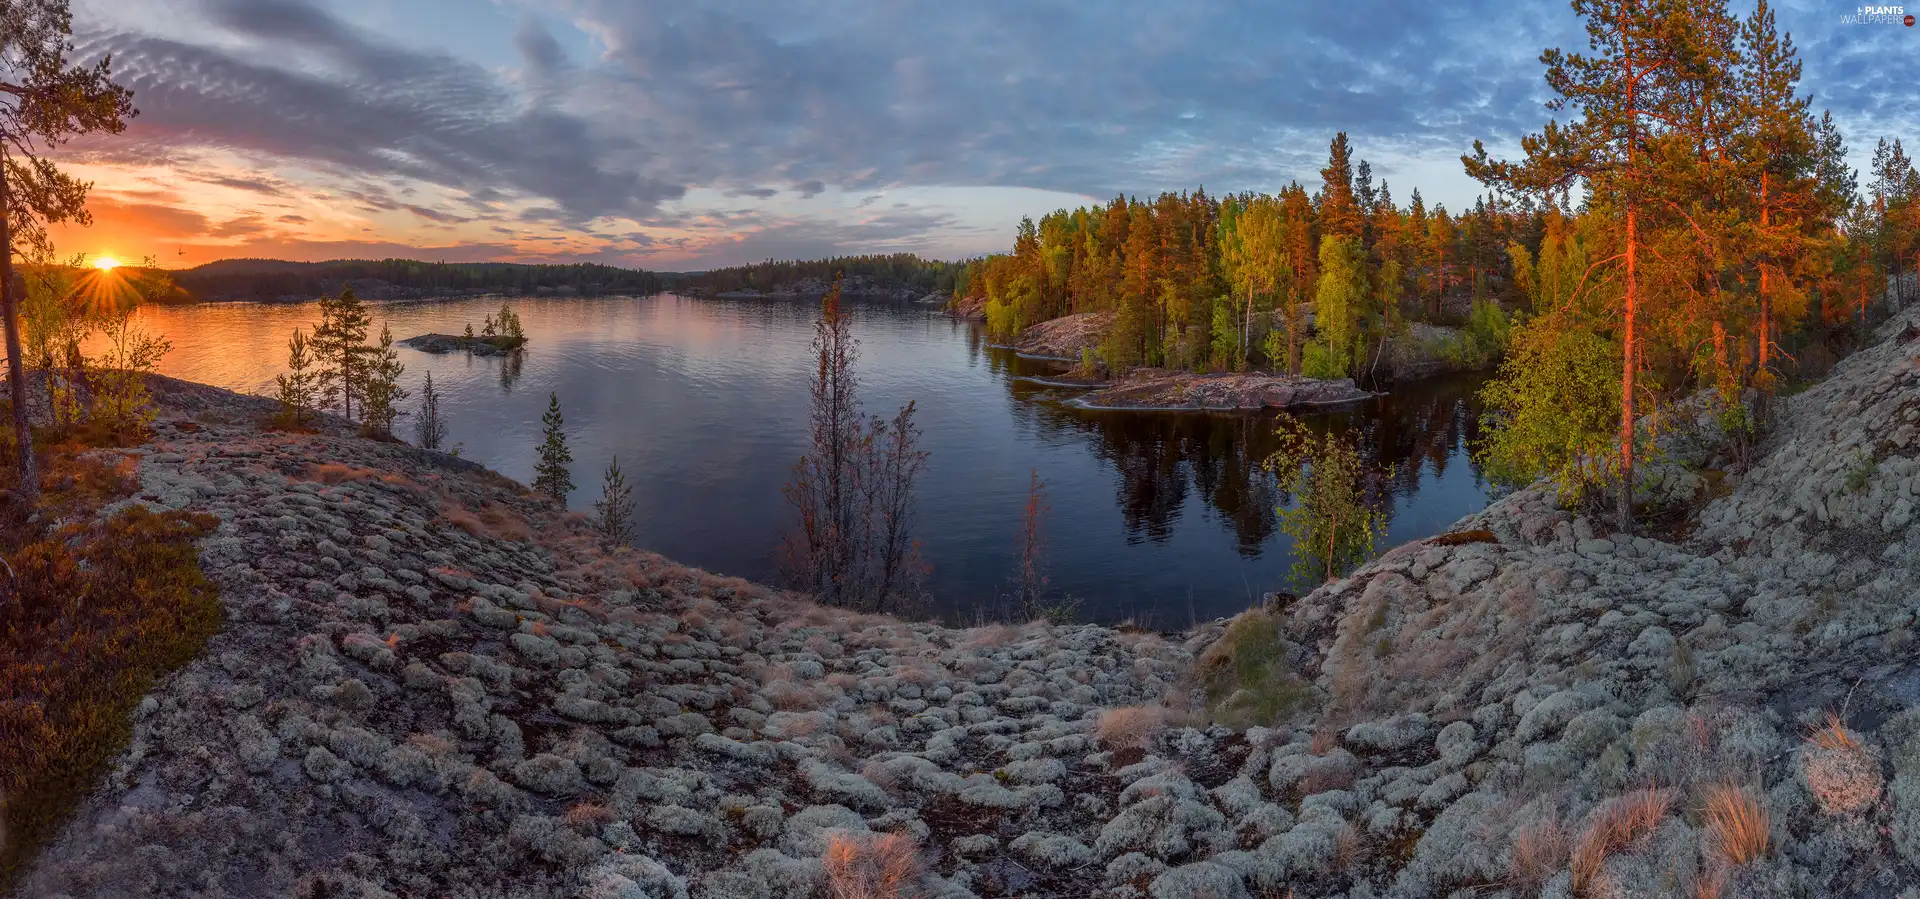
870 866
98 613
1736 824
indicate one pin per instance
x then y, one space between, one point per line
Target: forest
1692 223
889 270
267 279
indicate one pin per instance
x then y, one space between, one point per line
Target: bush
96 615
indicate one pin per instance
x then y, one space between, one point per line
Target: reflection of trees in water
1160 457
510 369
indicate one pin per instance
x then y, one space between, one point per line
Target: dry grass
493 522
1539 850
1613 827
1832 734
1736 824
588 814
876 866
1130 727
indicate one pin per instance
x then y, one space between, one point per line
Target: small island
1159 389
497 345
500 335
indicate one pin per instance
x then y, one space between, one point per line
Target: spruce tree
431 426
339 346
550 474
297 387
1339 209
613 511
383 391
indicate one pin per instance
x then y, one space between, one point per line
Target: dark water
1162 517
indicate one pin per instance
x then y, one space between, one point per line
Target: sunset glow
106 263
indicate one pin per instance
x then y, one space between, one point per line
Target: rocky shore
1063 339
432 683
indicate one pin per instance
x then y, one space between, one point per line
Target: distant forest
268 279
893 270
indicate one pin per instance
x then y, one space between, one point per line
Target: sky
682 135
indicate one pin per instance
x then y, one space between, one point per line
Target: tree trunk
1624 511
29 490
1765 279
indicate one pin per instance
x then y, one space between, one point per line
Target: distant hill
280 280
903 272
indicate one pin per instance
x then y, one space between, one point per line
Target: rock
1151 388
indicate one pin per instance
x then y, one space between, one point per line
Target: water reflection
1164 516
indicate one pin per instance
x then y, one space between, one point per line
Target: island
1158 389
498 345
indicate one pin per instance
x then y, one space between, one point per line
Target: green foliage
1861 472
339 346
889 270
1334 525
99 614
509 324
1226 335
613 511
1554 409
550 473
1245 675
431 427
296 387
119 377
1485 337
383 391
1339 302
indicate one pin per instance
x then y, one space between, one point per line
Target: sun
106 263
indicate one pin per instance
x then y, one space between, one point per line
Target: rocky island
478 346
1155 389
431 679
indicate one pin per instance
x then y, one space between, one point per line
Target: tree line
888 270
272 278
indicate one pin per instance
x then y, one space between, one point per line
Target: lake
1162 518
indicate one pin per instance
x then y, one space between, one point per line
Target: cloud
369 109
726 97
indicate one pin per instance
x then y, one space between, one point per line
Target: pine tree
613 511
339 347
297 389
1631 82
50 101
550 473
432 425
1782 157
383 391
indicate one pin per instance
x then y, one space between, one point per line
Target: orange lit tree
44 101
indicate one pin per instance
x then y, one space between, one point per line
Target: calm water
1165 518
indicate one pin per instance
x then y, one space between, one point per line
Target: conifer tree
1339 209
383 391
1782 158
550 474
44 101
431 427
339 347
1624 90
297 389
613 511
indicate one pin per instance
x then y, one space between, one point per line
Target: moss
99 614
1246 677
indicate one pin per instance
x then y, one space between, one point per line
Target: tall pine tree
550 473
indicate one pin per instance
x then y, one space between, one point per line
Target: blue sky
683 135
